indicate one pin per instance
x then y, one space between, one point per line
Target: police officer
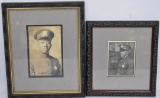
125 65
44 64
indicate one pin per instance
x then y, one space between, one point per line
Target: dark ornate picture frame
81 44
153 59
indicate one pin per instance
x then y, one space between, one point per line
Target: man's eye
48 42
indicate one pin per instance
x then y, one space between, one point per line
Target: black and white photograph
121 58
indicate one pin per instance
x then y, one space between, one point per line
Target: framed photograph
121 58
121 54
44 49
38 62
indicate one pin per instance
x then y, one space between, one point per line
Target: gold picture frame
8 9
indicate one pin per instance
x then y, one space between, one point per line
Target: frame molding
81 45
154 50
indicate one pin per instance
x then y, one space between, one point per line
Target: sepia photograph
45 50
121 58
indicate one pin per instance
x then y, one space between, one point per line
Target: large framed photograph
45 54
44 49
121 58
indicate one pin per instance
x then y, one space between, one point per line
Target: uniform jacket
123 66
44 65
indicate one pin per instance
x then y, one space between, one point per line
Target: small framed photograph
121 58
44 49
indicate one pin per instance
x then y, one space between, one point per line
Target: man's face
123 53
44 45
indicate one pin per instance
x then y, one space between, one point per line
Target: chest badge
55 67
123 66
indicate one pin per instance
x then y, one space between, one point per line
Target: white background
104 10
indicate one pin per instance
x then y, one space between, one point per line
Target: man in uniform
121 64
44 64
125 65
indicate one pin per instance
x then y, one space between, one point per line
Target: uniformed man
44 64
121 64
125 65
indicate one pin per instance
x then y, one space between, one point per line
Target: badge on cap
44 34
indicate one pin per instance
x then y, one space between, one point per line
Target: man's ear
37 42
50 43
128 51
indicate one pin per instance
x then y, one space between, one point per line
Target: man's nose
45 44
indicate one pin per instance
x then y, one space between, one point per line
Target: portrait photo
121 58
45 50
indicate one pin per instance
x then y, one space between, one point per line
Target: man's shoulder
53 58
129 60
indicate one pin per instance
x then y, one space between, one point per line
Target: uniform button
55 67
123 66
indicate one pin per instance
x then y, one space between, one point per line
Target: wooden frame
90 26
79 7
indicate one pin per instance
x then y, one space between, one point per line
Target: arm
130 69
32 72
57 68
